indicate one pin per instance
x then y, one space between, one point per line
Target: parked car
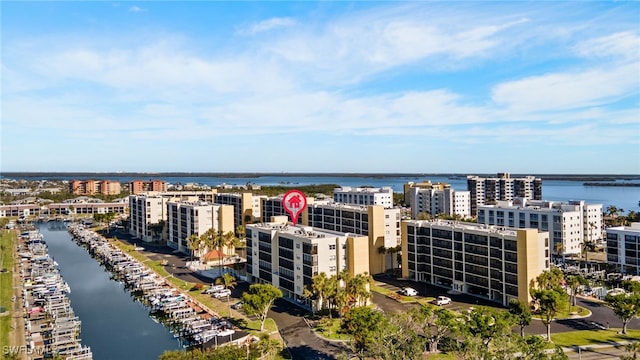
443 300
237 306
222 293
214 289
409 291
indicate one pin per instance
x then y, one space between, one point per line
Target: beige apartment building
379 224
481 260
140 186
92 187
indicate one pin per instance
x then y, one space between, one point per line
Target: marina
192 323
52 327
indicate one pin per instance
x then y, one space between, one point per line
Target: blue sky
465 87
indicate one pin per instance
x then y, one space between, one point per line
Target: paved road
601 314
299 338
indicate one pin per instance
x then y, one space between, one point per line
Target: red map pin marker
294 202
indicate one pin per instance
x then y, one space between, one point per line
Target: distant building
381 226
186 218
140 186
474 259
569 224
364 196
438 198
623 248
486 191
92 187
290 256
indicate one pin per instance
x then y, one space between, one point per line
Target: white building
288 257
436 199
186 218
146 210
623 248
569 223
487 191
364 196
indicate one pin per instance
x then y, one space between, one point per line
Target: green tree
318 291
487 324
549 279
259 300
362 323
521 313
625 306
397 338
435 323
228 281
574 282
549 303
633 349
193 242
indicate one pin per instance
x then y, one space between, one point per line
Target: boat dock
190 321
52 328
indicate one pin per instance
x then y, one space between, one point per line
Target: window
332 246
298 246
332 268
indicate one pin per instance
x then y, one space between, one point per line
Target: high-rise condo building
570 224
186 218
486 191
290 256
140 186
379 224
364 196
435 199
495 264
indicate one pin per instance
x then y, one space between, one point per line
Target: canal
114 325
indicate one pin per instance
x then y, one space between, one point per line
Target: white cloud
268 25
136 9
621 44
562 91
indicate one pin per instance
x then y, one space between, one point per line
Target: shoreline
70 175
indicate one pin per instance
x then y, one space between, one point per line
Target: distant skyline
372 87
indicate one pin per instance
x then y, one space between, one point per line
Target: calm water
626 198
113 324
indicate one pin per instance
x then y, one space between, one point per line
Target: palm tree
228 241
214 239
228 281
359 288
193 241
318 289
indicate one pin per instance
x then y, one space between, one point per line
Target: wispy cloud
136 8
267 25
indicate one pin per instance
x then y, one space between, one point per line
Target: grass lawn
568 312
398 297
442 357
6 283
330 329
593 337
